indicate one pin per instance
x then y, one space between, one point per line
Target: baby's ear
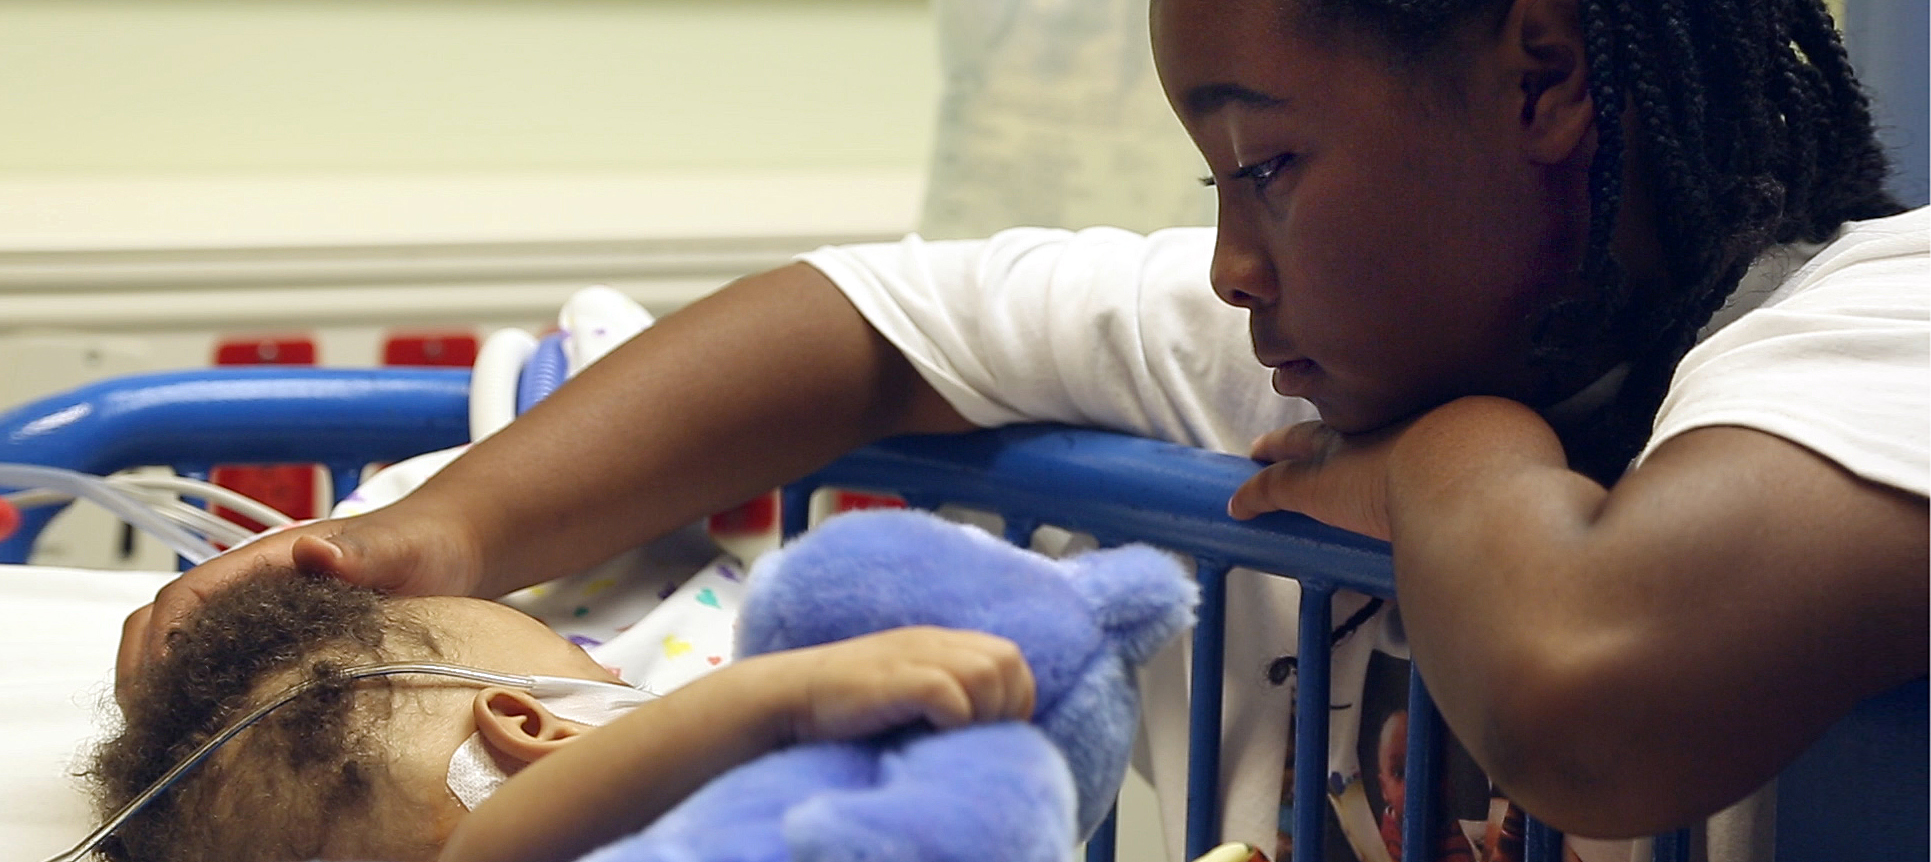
514 724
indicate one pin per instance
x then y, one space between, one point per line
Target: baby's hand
873 683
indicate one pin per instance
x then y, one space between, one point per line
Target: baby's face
433 715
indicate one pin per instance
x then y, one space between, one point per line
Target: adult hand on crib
413 556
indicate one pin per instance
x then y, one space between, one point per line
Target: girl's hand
407 557
880 681
1313 469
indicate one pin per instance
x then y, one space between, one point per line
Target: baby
361 769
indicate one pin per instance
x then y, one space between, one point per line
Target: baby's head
356 769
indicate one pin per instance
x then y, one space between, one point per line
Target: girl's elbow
1588 757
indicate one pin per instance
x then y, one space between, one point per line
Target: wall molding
143 254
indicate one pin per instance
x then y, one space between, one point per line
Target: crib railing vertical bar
1419 775
1311 699
1542 843
1102 846
199 473
1019 531
794 509
1203 722
343 479
1671 847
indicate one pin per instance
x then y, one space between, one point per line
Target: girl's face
1385 230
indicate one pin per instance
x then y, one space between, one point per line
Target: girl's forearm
1535 636
1625 660
765 380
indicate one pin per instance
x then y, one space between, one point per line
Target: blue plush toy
1008 791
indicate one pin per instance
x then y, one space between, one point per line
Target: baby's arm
617 779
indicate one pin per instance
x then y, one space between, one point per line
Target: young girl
1478 239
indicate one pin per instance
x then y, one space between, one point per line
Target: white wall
174 169
177 171
279 86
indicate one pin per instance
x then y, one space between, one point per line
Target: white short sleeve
1098 327
1837 359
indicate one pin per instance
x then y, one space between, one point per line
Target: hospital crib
1859 794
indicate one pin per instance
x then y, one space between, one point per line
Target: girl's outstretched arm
1625 660
615 780
761 382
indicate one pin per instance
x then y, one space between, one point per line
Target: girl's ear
1545 47
514 724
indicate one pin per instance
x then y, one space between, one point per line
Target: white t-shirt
1112 329
1836 357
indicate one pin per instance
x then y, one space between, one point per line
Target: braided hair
1755 133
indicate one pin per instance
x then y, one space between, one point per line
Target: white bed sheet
58 632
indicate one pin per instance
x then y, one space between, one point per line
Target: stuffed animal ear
1141 596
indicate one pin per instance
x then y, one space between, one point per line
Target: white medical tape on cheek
473 773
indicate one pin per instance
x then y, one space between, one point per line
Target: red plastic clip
9 519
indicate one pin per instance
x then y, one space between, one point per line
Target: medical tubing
119 502
196 520
157 491
546 370
242 504
140 801
202 522
494 381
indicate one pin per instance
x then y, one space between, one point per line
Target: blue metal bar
1311 699
1671 847
343 479
1203 710
1420 777
1541 843
257 415
1102 845
1115 485
1019 531
794 508
199 473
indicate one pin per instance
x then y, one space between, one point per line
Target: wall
202 86
178 171
180 168
1888 43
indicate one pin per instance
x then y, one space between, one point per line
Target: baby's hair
309 779
1756 133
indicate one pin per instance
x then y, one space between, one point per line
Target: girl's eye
1263 173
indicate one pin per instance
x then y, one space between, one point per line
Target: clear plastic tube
152 488
186 487
122 504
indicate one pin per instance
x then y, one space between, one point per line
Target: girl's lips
1295 379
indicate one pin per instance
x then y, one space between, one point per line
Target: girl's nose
1241 274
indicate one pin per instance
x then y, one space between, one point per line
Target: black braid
1753 131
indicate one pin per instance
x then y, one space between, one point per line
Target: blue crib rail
1860 794
342 418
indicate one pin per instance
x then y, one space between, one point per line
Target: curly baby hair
1754 132
309 781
